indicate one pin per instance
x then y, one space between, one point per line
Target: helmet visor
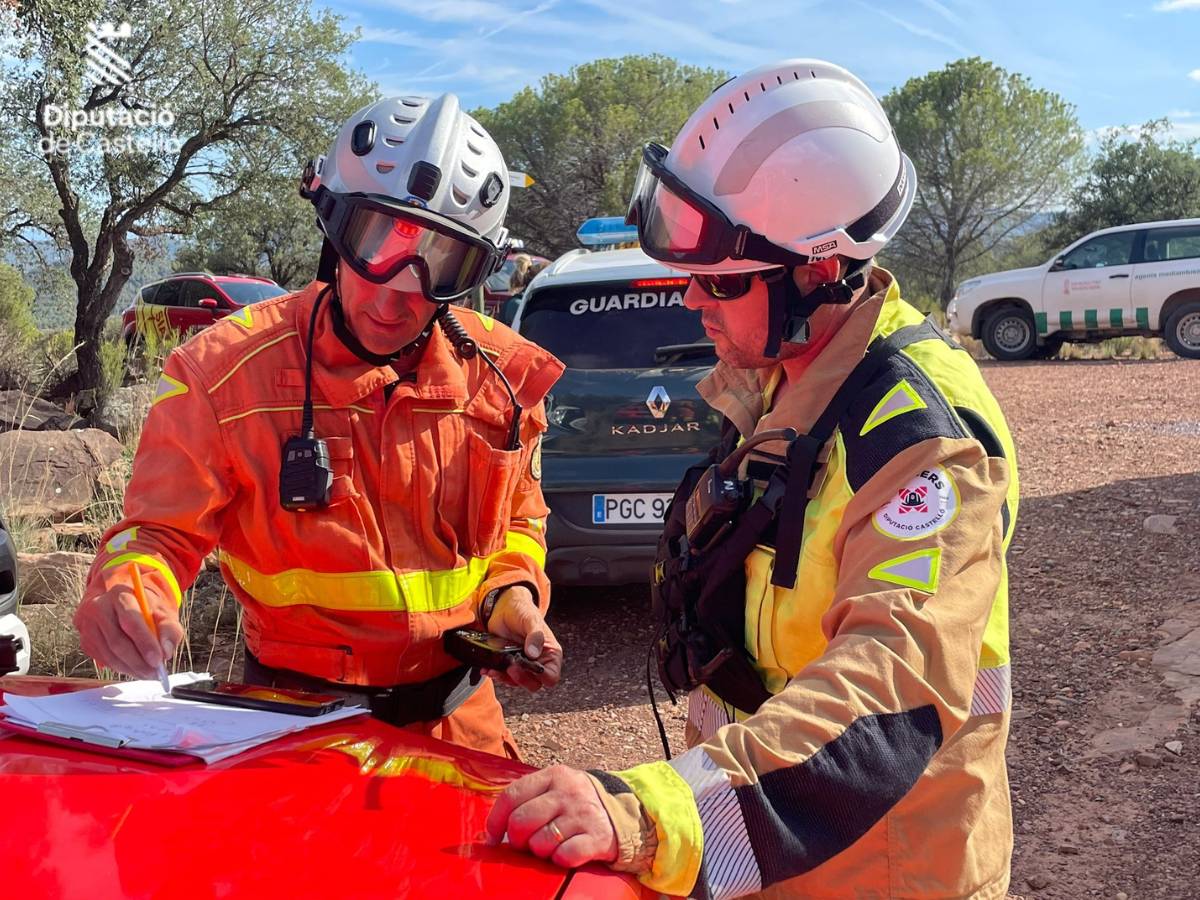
380 243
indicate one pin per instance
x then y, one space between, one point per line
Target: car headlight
967 286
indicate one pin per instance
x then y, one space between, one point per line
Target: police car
1131 280
625 420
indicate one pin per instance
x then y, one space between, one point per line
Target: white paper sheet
140 715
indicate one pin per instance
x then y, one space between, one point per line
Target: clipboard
62 736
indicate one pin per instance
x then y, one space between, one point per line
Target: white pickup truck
1131 280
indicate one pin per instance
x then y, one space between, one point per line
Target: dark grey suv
625 418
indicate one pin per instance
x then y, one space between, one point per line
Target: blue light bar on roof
606 230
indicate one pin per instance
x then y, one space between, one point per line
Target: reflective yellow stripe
378 590
514 541
153 562
261 409
668 799
249 356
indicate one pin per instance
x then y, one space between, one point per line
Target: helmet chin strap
351 342
788 310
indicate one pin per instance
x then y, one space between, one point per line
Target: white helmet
798 155
420 154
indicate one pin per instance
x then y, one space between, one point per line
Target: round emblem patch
923 506
535 461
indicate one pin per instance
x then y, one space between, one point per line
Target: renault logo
658 402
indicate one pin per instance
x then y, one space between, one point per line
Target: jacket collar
744 395
341 378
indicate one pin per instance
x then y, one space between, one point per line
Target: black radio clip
720 496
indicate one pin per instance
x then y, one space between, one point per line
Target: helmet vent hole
716 124
393 141
460 197
746 94
731 109
479 131
763 86
403 120
796 76
779 78
474 149
701 142
812 73
468 171
383 168
414 102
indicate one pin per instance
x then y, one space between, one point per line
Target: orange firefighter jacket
429 512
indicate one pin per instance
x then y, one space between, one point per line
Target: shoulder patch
901 407
168 387
924 505
917 570
896 402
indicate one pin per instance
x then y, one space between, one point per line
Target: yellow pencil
140 593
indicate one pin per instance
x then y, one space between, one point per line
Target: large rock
52 577
54 475
31 413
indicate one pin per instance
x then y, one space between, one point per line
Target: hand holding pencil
133 627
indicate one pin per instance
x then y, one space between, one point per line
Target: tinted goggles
677 225
380 237
731 285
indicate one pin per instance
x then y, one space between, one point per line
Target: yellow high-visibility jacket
876 768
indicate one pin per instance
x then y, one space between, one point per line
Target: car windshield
499 280
244 292
613 324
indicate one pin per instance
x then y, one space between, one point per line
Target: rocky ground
1104 753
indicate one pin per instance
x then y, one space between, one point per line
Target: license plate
629 509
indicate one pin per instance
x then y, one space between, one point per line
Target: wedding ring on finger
553 828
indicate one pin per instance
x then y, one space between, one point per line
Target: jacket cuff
637 838
669 803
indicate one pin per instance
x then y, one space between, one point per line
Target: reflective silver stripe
993 691
729 867
705 714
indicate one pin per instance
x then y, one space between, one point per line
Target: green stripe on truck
1065 320
1143 317
1090 321
1116 318
1040 319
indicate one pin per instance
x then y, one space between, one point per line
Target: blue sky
1119 63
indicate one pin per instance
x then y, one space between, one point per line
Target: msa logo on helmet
824 248
631 300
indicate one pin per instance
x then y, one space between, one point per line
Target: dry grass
1116 348
210 617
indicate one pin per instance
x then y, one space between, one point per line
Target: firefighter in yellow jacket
831 588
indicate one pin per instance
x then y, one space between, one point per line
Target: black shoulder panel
931 417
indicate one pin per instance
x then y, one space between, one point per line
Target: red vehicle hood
353 809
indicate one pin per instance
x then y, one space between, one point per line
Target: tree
991 151
579 136
1140 180
204 95
267 229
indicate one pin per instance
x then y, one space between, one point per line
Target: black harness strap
802 455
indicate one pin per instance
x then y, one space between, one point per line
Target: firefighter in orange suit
831 596
364 458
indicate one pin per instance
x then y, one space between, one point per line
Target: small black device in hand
487 651
257 696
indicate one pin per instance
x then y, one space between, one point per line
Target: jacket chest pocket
491 481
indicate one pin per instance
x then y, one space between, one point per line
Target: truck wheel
1009 334
1182 331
